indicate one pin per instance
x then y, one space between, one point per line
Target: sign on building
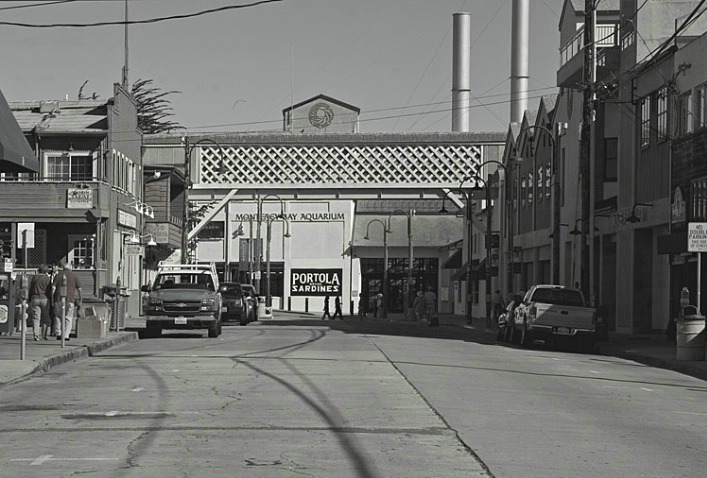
315 282
697 237
79 198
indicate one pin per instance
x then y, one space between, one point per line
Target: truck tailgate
564 316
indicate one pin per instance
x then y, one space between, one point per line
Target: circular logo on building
321 115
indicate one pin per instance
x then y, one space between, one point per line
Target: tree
153 108
195 214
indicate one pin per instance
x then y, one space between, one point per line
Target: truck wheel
525 338
213 331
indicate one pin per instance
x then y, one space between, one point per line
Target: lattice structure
340 165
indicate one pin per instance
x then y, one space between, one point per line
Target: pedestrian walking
418 306
73 295
39 298
498 304
326 308
337 308
430 304
362 305
378 305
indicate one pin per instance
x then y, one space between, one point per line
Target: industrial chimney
519 59
461 72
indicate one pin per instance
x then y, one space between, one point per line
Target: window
515 193
530 188
561 178
541 182
699 199
611 159
69 167
522 191
80 251
548 179
686 114
662 116
701 106
645 121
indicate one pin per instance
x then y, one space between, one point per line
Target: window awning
674 243
16 155
460 274
454 261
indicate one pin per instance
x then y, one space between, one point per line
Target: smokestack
461 72
519 59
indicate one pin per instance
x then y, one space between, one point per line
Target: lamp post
257 248
489 231
269 221
409 214
386 230
469 224
188 148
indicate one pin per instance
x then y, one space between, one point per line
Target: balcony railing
605 36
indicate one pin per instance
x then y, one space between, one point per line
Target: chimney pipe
461 72
519 59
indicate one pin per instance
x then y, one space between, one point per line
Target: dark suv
236 305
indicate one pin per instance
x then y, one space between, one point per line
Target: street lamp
489 231
386 230
259 220
135 239
469 224
269 221
188 148
409 214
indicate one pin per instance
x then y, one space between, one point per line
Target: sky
237 69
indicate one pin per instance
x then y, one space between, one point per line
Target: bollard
289 304
306 304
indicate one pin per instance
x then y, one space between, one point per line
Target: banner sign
79 198
315 282
697 237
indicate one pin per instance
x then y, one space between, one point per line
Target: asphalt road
344 399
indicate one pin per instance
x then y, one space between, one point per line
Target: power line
141 22
18 7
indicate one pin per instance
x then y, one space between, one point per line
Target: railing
605 36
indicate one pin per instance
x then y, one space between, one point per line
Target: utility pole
185 205
585 139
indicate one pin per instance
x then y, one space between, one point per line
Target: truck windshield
184 281
572 298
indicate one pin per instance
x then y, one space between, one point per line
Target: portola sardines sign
697 237
315 282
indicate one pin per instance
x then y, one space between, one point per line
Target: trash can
261 311
690 335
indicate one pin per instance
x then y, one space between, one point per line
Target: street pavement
40 356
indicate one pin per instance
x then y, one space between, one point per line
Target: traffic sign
697 237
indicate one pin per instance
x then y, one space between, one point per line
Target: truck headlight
154 304
209 304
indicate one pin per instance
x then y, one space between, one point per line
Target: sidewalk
652 350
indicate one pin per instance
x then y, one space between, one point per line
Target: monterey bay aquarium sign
299 217
315 282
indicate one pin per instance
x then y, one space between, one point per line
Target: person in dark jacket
337 308
39 298
326 309
73 296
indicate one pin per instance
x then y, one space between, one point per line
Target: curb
73 355
684 368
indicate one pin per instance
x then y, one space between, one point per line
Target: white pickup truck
551 312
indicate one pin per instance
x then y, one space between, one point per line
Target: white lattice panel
340 165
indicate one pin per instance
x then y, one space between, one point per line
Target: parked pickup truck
184 297
551 312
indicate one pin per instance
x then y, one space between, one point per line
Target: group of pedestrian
425 305
45 301
337 309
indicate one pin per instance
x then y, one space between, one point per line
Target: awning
16 155
460 274
479 271
453 261
674 243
